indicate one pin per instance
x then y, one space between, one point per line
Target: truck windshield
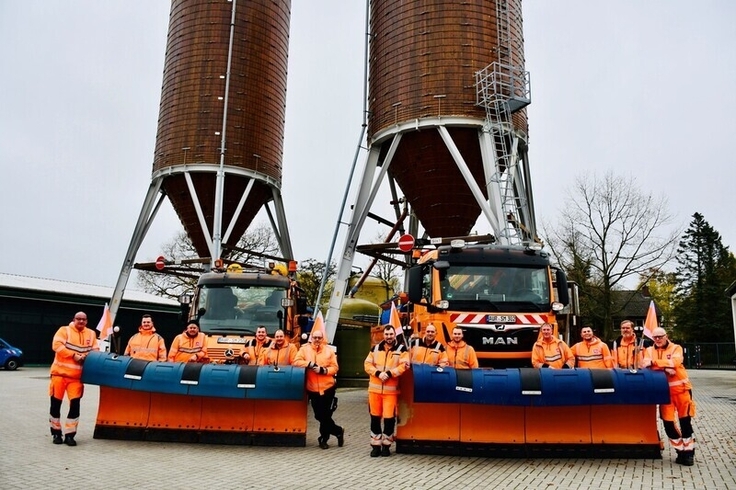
493 288
240 309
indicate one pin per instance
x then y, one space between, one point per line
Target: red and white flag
651 322
105 325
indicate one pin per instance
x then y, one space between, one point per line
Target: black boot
375 451
322 443
56 433
69 440
679 459
688 458
386 451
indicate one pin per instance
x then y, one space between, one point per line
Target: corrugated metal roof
27 283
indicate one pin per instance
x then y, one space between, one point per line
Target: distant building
632 305
32 309
731 293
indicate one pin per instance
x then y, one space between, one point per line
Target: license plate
501 318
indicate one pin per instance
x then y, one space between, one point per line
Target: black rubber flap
135 369
602 380
191 373
531 381
247 376
464 380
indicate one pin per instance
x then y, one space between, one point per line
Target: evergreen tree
706 268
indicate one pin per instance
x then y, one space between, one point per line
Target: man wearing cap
189 346
668 357
146 344
429 350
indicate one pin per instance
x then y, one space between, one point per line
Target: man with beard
279 351
385 363
429 350
460 355
551 352
189 346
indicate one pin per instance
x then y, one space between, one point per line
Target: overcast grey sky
640 88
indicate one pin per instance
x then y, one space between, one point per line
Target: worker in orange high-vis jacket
591 352
551 352
71 345
627 349
428 350
279 352
189 346
668 357
460 355
386 361
255 347
321 366
146 345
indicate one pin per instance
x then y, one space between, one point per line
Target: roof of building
12 281
632 304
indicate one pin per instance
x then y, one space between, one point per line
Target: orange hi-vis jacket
433 354
554 354
625 355
325 357
393 360
592 355
670 356
255 350
69 341
146 345
461 355
184 347
275 356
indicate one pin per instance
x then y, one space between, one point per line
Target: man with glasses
429 350
321 366
668 357
71 345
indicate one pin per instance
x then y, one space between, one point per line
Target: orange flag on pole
395 320
105 325
651 322
318 326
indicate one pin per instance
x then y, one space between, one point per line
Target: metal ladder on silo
503 89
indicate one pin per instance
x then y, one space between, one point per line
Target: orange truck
498 295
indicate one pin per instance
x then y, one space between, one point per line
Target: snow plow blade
207 403
531 412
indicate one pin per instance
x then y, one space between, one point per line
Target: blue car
10 357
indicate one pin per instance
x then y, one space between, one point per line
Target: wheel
11 364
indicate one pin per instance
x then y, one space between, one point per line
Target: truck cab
230 306
498 295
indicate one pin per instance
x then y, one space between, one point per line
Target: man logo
500 341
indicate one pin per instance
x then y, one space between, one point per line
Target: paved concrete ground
28 460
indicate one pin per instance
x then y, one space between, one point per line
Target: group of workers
385 363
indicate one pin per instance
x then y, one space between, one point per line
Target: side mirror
415 284
563 295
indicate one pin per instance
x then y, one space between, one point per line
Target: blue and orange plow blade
531 412
210 403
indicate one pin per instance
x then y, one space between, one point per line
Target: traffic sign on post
406 243
160 262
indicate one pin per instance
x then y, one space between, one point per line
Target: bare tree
257 241
618 232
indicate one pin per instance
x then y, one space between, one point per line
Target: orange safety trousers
383 405
74 390
682 403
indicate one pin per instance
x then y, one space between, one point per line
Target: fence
720 355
